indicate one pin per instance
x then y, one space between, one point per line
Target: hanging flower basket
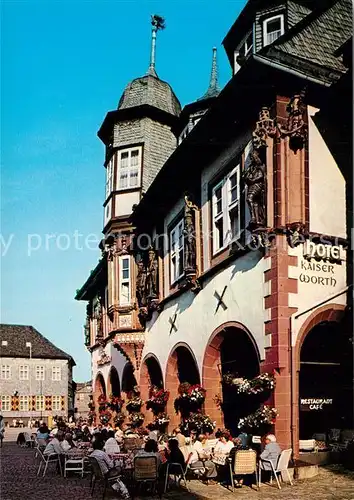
159 423
261 383
105 417
157 399
198 422
190 397
116 403
102 402
119 418
134 404
263 417
136 419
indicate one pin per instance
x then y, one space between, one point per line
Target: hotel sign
320 263
314 404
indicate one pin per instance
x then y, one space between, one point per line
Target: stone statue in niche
190 264
265 127
254 178
98 317
296 127
141 284
151 275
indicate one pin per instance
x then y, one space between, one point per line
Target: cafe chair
146 472
282 466
74 465
97 475
245 463
45 460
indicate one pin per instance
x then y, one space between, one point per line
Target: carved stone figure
295 127
254 178
151 275
141 284
98 317
295 233
265 127
189 236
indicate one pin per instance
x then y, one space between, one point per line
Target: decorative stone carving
103 357
189 236
141 284
295 234
99 319
265 127
151 284
296 128
261 238
123 249
125 321
254 178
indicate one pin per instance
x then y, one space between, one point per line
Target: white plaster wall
313 295
125 202
327 186
117 360
197 317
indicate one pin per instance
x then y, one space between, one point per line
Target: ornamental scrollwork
295 128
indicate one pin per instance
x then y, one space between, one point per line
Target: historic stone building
234 260
83 396
35 376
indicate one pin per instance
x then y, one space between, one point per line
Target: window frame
56 369
227 207
177 252
123 280
129 168
56 403
248 49
42 372
40 399
109 177
6 398
25 369
24 403
265 31
5 372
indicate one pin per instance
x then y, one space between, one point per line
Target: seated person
173 453
180 437
119 435
200 459
239 444
271 452
222 448
111 445
107 468
68 442
54 446
150 450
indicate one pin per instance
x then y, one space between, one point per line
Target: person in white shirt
119 435
67 443
200 459
222 448
54 446
111 445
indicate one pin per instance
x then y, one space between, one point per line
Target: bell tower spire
213 89
158 23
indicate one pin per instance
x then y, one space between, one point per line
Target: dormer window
129 168
273 28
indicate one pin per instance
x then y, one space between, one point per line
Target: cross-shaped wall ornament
220 299
172 321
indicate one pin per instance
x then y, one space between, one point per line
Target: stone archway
128 378
231 348
150 374
113 383
315 331
99 390
181 367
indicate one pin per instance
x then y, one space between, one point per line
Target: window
176 252
5 372
24 372
109 177
124 281
56 403
56 373
129 161
39 372
249 43
226 210
6 403
273 28
24 403
39 403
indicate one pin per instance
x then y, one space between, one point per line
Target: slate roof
17 336
318 36
150 90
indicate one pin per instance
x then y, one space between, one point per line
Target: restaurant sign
311 404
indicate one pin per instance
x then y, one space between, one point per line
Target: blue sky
64 65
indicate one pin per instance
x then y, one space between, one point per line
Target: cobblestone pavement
19 481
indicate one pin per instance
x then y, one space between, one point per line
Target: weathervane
158 23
